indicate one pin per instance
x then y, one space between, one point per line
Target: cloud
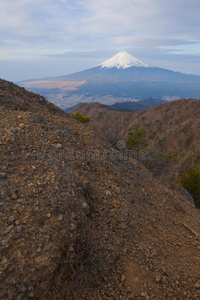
149 19
28 19
55 28
151 41
65 20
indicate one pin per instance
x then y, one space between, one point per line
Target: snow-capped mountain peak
123 60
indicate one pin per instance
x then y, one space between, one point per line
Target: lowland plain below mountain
121 78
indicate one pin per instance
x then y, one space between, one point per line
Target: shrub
78 116
162 143
191 182
136 139
188 141
84 263
168 156
159 163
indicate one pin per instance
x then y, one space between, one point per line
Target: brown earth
53 84
80 222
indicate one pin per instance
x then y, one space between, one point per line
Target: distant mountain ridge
123 76
128 105
136 105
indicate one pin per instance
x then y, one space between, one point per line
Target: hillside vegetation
172 131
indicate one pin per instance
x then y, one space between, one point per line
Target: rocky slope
78 221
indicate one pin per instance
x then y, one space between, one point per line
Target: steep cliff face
81 221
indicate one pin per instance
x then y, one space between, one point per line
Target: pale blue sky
44 38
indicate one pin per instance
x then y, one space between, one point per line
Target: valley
172 132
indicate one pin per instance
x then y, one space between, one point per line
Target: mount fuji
120 78
123 60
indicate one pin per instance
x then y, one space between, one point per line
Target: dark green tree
137 139
191 182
